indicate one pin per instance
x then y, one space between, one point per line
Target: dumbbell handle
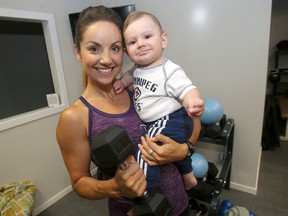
124 166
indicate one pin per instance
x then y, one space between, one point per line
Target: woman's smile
104 70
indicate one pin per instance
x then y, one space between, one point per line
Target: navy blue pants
179 127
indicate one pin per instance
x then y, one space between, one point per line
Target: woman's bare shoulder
75 112
73 120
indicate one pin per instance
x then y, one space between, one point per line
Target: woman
99 49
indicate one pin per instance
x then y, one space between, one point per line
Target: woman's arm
75 148
196 131
169 151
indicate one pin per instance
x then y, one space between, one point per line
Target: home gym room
226 48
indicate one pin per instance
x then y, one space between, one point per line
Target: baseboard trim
53 200
57 197
243 188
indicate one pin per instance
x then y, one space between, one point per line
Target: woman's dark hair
91 15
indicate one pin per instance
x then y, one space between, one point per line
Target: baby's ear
164 40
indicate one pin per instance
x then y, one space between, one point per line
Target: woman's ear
164 40
77 53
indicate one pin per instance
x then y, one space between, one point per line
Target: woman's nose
105 58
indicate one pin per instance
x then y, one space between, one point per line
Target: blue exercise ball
223 210
199 165
213 111
227 203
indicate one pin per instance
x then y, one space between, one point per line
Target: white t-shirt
159 90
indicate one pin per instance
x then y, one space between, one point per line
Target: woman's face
101 52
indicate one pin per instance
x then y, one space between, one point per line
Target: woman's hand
131 181
169 151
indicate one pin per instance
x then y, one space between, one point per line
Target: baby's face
145 42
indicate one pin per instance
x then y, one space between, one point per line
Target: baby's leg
189 180
179 127
186 170
152 173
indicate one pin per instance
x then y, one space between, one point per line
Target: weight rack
223 181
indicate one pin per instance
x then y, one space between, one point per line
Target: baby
164 97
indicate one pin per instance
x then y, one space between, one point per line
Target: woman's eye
116 49
95 49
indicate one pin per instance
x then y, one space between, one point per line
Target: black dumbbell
111 148
202 209
213 131
193 204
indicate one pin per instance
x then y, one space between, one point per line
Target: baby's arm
125 81
193 103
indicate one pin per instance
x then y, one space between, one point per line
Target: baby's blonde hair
133 16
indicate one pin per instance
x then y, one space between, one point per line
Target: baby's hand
118 86
195 107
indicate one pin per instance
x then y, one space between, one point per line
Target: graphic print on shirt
146 85
137 94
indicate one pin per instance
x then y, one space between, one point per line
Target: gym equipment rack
223 181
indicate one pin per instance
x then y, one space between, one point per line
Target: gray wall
222 45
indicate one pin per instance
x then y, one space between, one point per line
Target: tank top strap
85 102
90 108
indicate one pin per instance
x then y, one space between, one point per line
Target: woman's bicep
74 145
